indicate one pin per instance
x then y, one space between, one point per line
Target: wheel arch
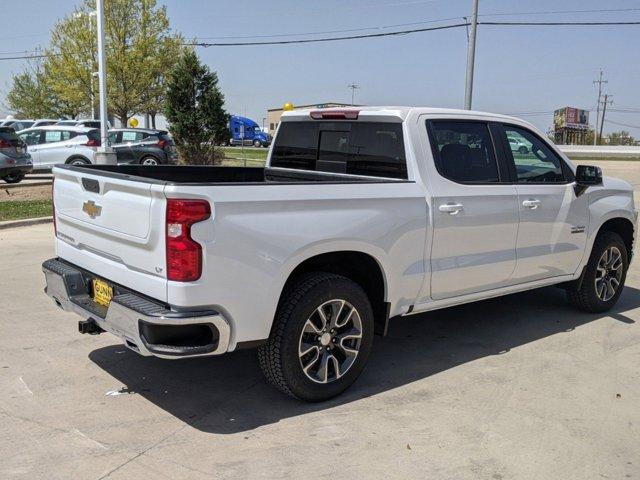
360 267
623 227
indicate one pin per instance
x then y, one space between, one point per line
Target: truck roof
399 112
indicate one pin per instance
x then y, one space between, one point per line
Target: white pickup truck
360 215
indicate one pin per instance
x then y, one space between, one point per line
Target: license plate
20 150
102 292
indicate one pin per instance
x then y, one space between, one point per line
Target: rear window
359 148
8 134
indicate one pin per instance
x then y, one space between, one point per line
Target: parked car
143 146
16 124
55 144
518 144
81 123
15 162
43 122
244 131
361 215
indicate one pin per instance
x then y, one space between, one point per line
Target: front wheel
321 337
523 150
257 143
13 178
604 276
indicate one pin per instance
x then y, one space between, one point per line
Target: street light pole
471 56
106 154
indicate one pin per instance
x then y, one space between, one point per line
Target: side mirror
587 176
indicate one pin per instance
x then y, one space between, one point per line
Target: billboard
569 117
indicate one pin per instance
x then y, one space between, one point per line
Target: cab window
534 160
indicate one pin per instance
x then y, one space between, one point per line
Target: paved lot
522 387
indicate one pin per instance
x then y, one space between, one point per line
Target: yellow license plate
102 292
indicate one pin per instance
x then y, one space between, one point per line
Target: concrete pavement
520 387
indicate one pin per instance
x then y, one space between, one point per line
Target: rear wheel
321 337
13 178
604 276
523 150
78 161
149 161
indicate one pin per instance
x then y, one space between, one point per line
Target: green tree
620 138
31 95
195 111
140 48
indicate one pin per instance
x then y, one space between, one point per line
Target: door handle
451 208
531 204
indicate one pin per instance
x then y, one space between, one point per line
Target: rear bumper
146 326
13 169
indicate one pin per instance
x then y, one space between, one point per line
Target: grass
255 154
20 209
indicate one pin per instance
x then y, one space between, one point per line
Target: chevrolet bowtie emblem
90 208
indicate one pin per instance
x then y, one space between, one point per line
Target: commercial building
274 114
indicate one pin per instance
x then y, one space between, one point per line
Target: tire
523 150
149 160
298 327
13 178
591 296
257 143
78 161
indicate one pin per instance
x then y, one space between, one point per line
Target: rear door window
132 136
463 151
359 148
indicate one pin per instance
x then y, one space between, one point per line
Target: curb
27 222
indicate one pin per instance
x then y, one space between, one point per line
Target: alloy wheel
330 341
608 273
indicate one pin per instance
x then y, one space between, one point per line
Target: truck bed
210 175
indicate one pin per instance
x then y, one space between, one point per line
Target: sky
527 71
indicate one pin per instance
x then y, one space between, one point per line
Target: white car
361 215
54 145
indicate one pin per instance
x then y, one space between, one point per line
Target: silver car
15 162
55 144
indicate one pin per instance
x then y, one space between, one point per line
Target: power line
555 24
27 57
401 32
623 124
329 39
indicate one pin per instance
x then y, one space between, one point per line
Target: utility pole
600 81
604 110
353 88
105 155
471 56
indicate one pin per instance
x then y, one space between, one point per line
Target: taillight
162 143
4 144
53 208
184 255
93 143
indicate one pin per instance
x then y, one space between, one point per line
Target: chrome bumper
129 315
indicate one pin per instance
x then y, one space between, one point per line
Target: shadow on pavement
228 394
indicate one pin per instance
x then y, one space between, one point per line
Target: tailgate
112 227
